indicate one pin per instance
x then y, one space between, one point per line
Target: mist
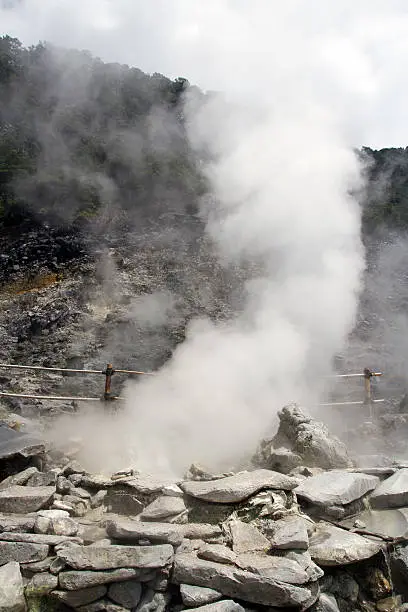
281 171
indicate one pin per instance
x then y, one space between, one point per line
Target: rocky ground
312 524
317 531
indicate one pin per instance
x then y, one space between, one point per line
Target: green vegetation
80 137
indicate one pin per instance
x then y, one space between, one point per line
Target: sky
362 46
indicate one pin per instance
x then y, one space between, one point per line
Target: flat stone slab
127 530
79 598
391 523
247 538
280 569
336 488
233 489
331 546
392 492
226 605
74 580
11 588
162 508
289 532
21 500
217 553
22 552
14 442
233 582
16 522
200 531
113 557
194 596
38 538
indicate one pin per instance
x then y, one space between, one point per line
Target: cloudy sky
353 52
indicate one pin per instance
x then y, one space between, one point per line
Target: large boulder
309 439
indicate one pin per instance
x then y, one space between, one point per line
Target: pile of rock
70 540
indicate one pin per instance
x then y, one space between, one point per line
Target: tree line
80 137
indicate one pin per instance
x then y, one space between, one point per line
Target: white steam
281 182
282 176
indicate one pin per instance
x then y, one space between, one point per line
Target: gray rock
331 545
13 522
11 588
163 508
42 479
149 485
280 569
392 492
391 523
278 459
336 487
76 479
289 532
28 569
64 485
194 596
310 439
22 500
18 479
112 557
247 538
217 553
399 569
201 531
80 492
122 502
103 605
226 605
161 580
74 580
38 538
75 599
153 602
73 467
251 587
98 498
304 560
126 594
64 527
239 487
42 583
133 531
57 565
325 603
22 552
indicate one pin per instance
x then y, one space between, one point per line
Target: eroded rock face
309 439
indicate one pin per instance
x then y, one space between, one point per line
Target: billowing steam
282 172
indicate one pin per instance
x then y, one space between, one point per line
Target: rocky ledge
328 537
